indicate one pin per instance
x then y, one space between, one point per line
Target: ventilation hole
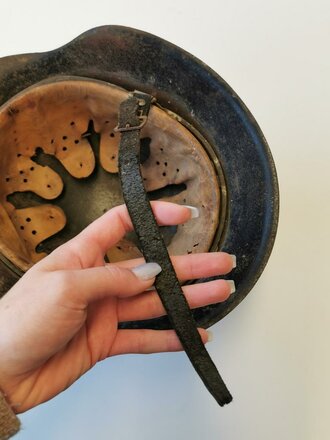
81 165
34 232
203 206
21 172
161 149
157 163
51 217
28 219
184 200
22 228
105 210
32 168
77 141
90 132
72 123
144 178
64 148
52 141
64 138
195 245
118 247
7 179
165 163
112 135
49 186
177 170
145 149
25 180
164 174
15 140
189 252
113 157
106 122
19 155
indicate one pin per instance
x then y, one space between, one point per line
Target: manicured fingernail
147 271
209 336
232 286
233 257
194 211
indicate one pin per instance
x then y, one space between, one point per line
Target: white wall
273 349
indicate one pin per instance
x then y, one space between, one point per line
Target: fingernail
147 271
231 285
209 335
194 211
233 257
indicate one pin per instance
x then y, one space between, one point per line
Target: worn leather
154 249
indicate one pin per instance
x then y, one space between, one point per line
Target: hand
62 316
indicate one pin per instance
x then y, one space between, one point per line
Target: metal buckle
143 120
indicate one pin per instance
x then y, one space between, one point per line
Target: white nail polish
233 257
146 271
232 286
209 336
194 211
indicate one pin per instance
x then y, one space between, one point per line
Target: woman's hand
62 316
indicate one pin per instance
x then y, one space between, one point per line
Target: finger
193 266
148 305
112 226
85 286
94 241
148 341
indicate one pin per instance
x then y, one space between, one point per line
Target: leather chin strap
133 115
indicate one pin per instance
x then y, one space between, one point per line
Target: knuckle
116 273
123 279
172 341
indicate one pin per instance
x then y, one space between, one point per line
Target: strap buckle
143 102
128 127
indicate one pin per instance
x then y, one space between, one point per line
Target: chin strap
133 115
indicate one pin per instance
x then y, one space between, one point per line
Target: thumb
97 283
